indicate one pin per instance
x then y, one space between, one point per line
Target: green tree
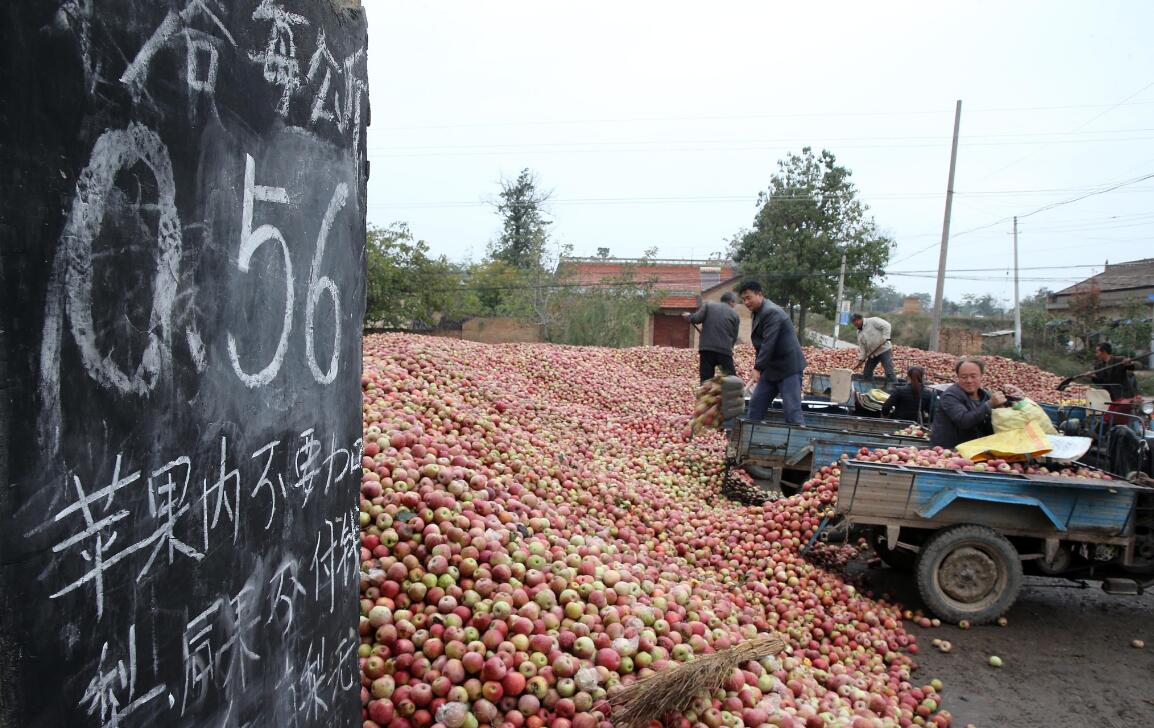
884 298
525 231
1034 319
807 218
986 306
1130 334
500 288
525 245
405 287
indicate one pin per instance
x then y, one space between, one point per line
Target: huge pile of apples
536 533
1037 384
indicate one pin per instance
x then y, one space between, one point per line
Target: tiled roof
680 280
671 275
1118 277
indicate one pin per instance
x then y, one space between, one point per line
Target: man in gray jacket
779 362
719 324
874 347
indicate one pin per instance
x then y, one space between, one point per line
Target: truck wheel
898 559
968 572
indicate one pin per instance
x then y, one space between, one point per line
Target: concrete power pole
837 304
1017 300
936 327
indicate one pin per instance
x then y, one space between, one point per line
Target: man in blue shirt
779 362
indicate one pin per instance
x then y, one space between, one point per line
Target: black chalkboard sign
182 220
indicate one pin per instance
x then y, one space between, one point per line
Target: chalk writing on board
319 284
338 99
70 286
250 241
175 515
227 501
217 648
96 530
328 671
279 57
166 505
337 473
197 43
111 694
335 560
264 482
285 588
106 532
306 462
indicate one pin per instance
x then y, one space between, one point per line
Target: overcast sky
655 124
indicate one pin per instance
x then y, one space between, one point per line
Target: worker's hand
1014 391
997 399
753 380
685 314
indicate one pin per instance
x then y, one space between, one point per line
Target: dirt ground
1067 658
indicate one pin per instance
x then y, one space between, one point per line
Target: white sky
656 124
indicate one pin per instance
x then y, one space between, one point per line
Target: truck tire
897 559
968 572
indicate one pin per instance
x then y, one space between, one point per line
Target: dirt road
1067 659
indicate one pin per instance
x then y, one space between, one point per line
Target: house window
710 277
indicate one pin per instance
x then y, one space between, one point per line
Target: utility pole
936 327
837 305
1017 300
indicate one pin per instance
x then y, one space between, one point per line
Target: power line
899 138
558 149
1054 205
1075 129
1111 188
795 115
744 198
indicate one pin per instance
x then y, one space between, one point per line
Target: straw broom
673 690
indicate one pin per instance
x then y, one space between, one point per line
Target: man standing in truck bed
779 361
719 324
873 343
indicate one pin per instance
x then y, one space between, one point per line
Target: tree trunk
801 323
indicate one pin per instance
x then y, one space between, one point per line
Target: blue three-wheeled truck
967 536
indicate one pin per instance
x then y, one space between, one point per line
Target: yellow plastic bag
1012 445
1024 411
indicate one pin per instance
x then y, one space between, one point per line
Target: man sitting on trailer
719 325
964 409
779 361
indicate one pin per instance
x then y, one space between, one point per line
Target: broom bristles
673 690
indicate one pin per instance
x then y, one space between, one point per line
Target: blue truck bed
1074 509
772 443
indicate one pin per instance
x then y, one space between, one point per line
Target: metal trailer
781 456
1121 443
820 385
969 536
